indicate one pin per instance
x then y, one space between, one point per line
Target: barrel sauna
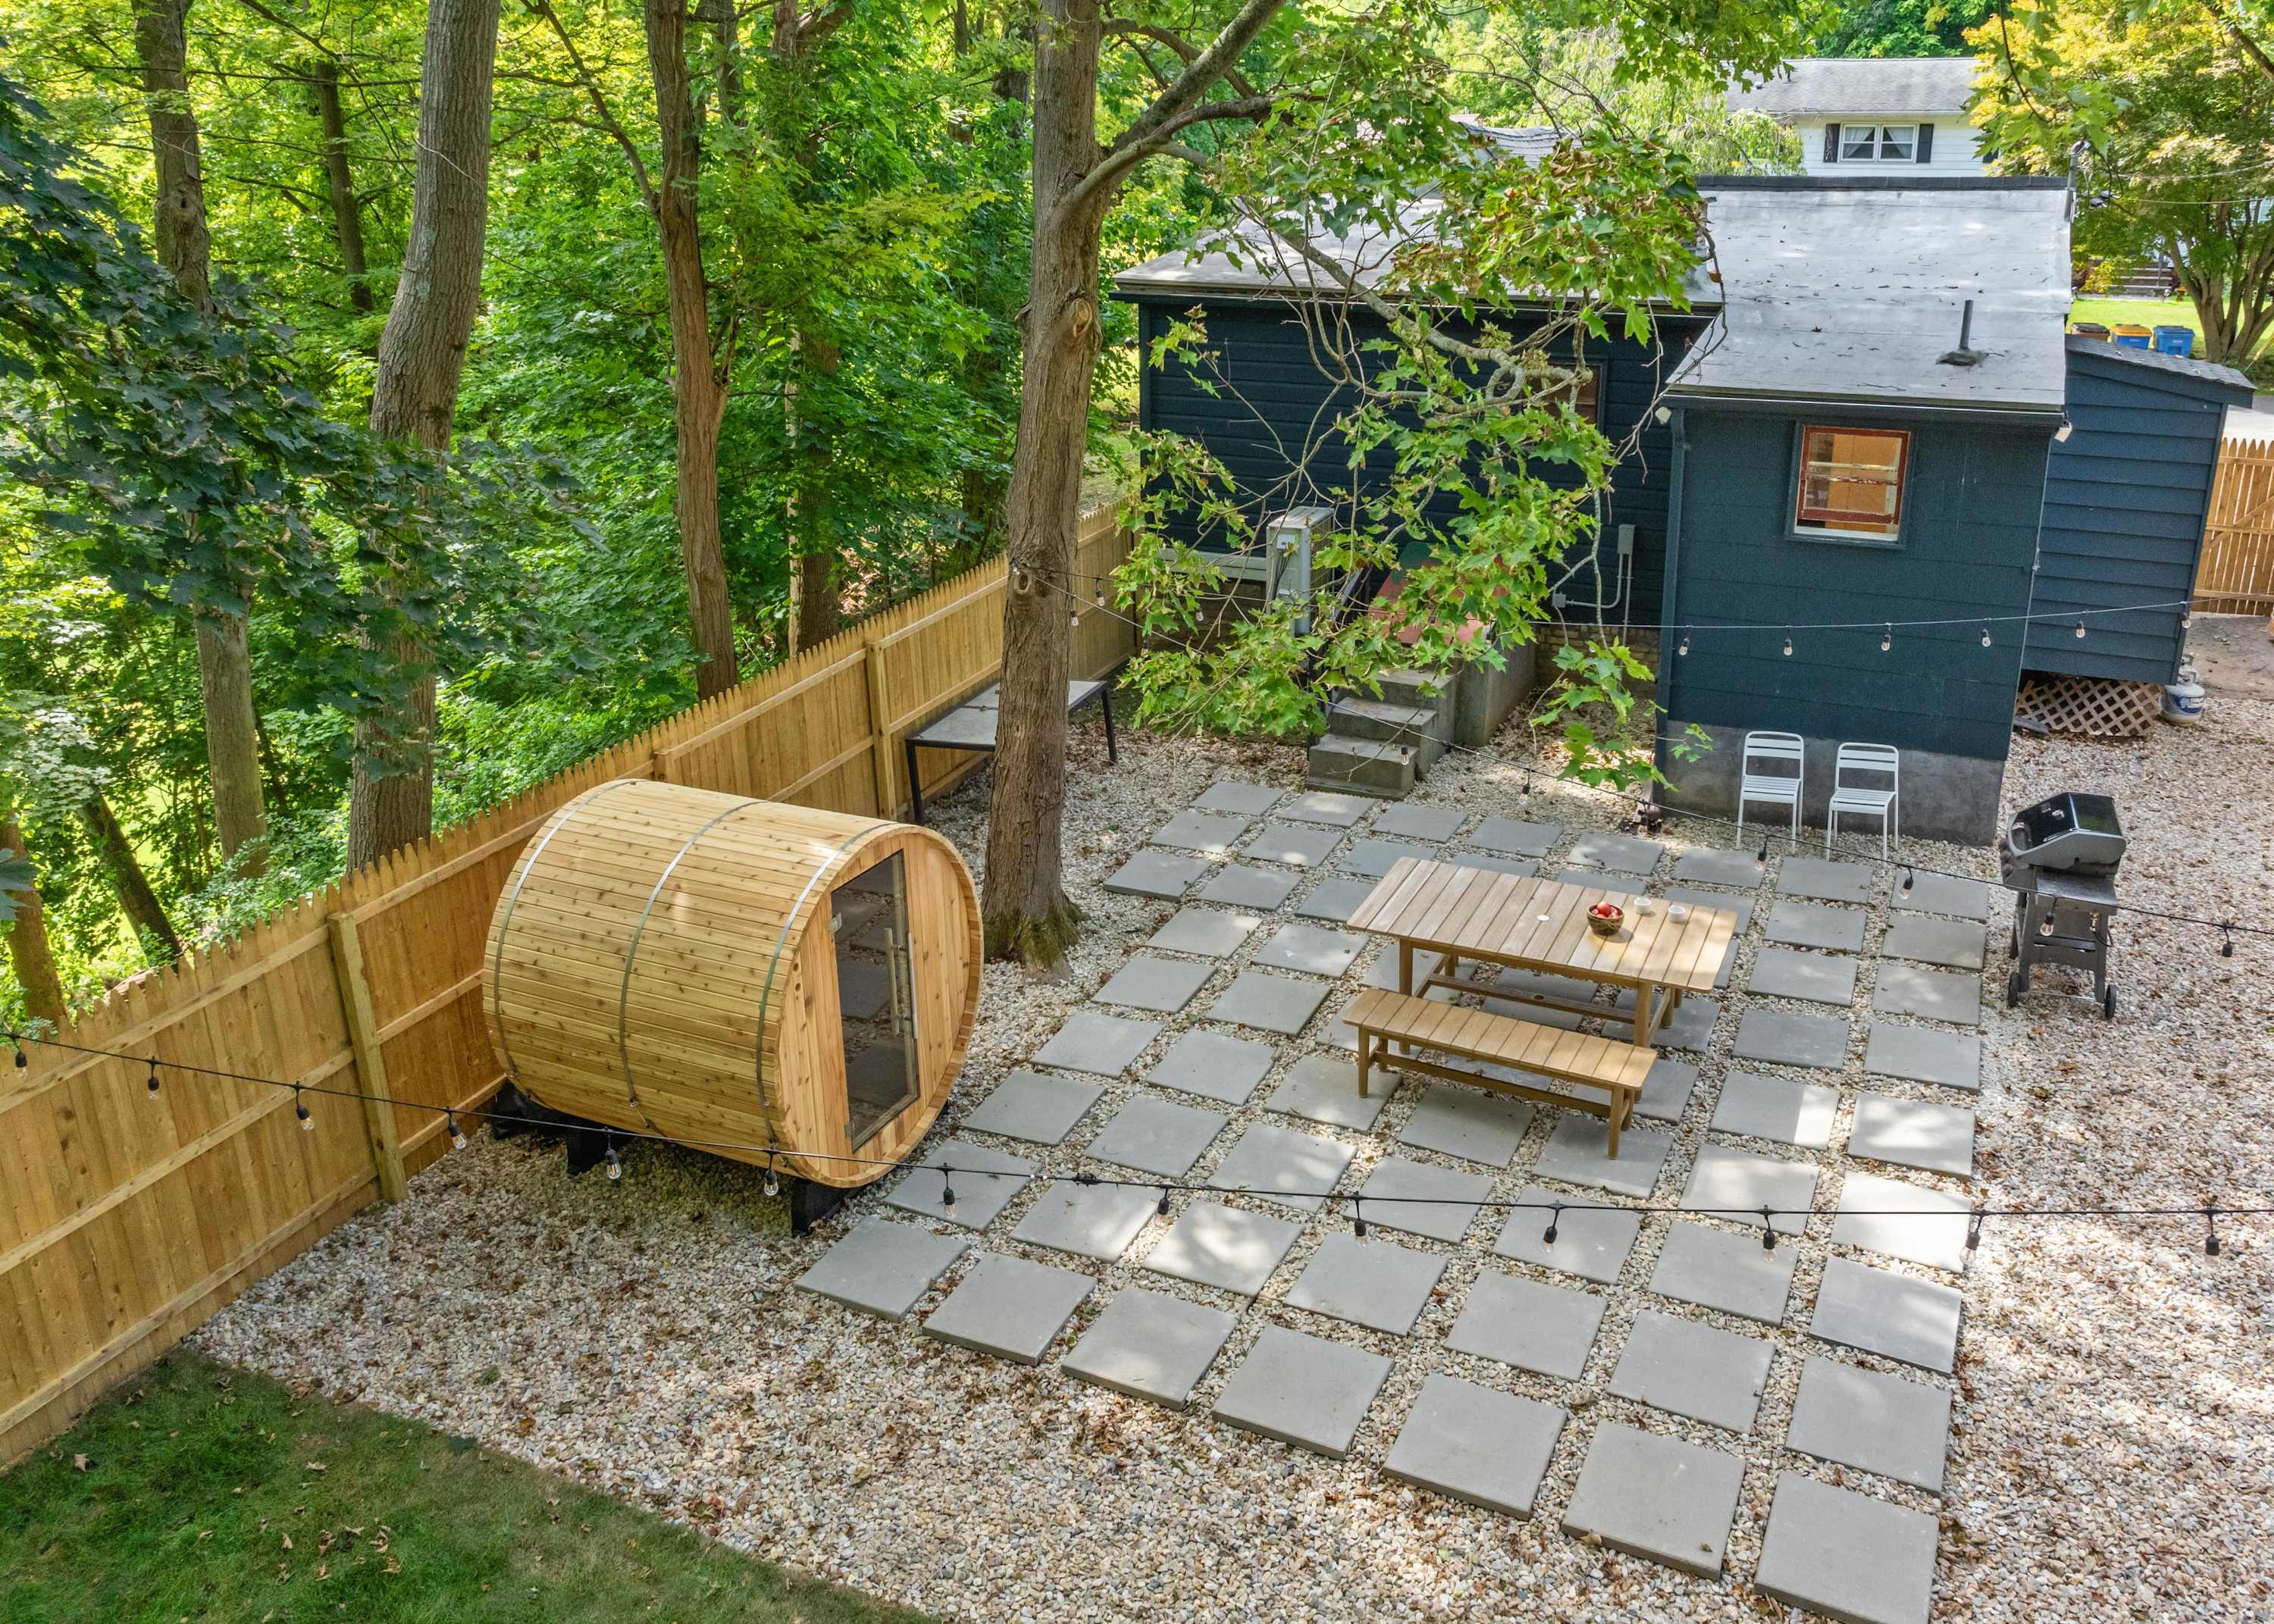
733 973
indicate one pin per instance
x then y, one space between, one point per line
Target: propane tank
2183 699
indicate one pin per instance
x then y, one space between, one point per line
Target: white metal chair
1778 788
1868 760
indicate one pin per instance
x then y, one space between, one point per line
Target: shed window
1851 480
1878 143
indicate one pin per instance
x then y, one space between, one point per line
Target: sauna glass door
868 920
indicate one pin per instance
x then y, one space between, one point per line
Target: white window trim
1876 143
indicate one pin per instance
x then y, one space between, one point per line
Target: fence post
370 1062
880 725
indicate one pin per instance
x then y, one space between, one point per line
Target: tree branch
1125 156
1200 74
1118 28
2243 42
605 114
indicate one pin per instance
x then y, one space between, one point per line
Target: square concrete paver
882 1268
1371 1283
1283 1165
1688 1369
1514 838
1102 1044
1599 848
1666 1091
1715 1268
1247 799
1810 924
1936 1238
1377 858
1324 807
1523 868
1955 944
1473 1444
1419 822
1710 865
1776 1108
1909 1133
1150 1345
1898 1428
1302 1390
1592 1245
1729 1184
1243 885
1691 897
1578 1152
1335 900
1027 1105
1922 1055
1324 1088
1212 832
1824 881
1155 1136
1212 932
1211 1065
1223 1246
1010 1307
1819 978
1150 982
1657 1497
1550 1329
1309 948
1281 1003
1913 1320
1467 1123
1848 1556
1601 879
1090 1221
1781 1038
1156 874
1298 845
1938 995
1939 893
984 1182
1421 1199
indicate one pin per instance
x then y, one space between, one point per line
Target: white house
1870 114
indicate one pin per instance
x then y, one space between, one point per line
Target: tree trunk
422 355
138 899
812 540
698 382
28 953
1026 912
185 246
339 180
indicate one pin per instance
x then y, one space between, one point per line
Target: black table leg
1105 699
915 786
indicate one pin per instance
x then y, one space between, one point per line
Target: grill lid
2071 833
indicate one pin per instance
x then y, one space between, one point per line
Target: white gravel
2117 1399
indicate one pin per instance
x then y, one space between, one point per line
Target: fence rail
127 1218
2236 575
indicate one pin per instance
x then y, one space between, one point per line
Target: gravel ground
2110 1459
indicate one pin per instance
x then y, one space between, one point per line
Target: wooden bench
1383 1017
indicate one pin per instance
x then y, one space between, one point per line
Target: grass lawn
2147 312
202 1493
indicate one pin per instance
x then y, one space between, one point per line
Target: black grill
2060 858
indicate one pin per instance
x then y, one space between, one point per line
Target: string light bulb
1768 1230
2080 629
151 1082
2187 619
1974 1230
22 1059
457 1134
1788 645
1681 649
1357 1218
300 1110
1908 878
1554 1215
774 1182
946 1193
2226 940
1985 637
608 1154
1761 857
2210 1230
1887 637
1163 1207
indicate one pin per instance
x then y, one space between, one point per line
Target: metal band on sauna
631 951
766 996
559 821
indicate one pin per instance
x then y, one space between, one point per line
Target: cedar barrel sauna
717 969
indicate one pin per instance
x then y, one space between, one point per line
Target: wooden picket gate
128 1218
2236 574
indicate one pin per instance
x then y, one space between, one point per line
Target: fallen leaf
80 1462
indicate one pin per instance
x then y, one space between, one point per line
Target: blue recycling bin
2175 341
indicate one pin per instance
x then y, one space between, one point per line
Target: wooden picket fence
128 1218
2236 574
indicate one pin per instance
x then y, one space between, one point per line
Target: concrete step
1419 689
1363 766
1426 729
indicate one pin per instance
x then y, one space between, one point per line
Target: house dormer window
1878 144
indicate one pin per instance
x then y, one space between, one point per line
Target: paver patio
1474 1444
1550 1329
1214 1064
1302 1390
1249 799
1151 1346
1846 1555
1010 1307
1373 1283
1693 1369
1028 1105
1656 1497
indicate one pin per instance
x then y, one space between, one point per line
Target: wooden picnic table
1535 924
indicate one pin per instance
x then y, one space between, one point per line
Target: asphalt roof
1835 85
1844 291
2187 367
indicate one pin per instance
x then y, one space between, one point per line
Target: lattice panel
2096 707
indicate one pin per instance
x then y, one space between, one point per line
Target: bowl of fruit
1605 918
